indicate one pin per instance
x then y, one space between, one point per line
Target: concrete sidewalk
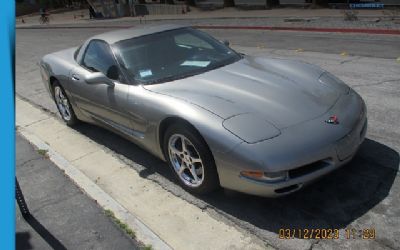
119 188
62 216
230 17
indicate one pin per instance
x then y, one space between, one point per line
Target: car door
104 103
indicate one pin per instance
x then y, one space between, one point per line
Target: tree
229 3
316 3
190 2
167 1
268 4
271 3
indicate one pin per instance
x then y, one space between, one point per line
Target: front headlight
276 176
250 128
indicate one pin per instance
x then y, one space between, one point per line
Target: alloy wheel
62 103
186 160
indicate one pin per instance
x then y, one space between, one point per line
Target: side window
98 58
187 39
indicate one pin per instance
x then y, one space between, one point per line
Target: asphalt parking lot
364 194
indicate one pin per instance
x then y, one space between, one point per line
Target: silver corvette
256 125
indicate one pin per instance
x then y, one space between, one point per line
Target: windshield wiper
221 64
168 78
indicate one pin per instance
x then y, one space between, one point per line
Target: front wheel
190 159
63 105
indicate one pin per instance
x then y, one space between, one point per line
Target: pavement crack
37 121
27 161
385 244
55 202
376 83
349 60
316 242
82 156
40 107
204 206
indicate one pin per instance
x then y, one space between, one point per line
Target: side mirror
98 78
226 42
113 72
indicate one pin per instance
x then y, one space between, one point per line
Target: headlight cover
250 128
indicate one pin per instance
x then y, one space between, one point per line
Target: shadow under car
333 202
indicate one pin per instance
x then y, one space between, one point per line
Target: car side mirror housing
113 73
226 42
98 78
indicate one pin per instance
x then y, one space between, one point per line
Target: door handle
75 77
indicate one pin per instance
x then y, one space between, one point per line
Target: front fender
149 109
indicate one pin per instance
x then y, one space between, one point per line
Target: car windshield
172 55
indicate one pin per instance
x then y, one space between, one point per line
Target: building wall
391 2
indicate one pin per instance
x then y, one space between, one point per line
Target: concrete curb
144 233
271 28
37 27
157 216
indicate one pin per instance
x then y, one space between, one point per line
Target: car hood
283 92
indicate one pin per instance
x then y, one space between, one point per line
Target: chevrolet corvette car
256 125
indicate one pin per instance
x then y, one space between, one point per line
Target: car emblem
333 120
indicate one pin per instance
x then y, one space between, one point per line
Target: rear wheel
63 105
190 159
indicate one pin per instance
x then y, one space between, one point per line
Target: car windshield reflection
171 55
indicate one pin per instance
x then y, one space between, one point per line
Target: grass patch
121 225
42 152
124 227
148 247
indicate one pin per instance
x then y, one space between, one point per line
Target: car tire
63 105
196 159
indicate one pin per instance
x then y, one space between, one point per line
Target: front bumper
307 151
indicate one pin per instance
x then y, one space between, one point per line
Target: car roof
124 34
